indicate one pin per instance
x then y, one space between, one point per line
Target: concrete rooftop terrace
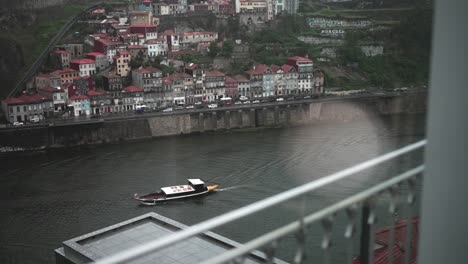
136 231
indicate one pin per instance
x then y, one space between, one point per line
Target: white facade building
86 67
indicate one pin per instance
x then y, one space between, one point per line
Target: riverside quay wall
141 126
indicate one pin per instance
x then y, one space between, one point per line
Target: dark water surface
52 196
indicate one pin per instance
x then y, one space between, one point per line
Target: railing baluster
368 220
300 252
393 206
327 224
300 236
409 223
270 252
239 260
371 222
350 230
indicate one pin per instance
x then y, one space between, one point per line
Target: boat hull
149 201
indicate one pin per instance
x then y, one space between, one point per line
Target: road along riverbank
279 114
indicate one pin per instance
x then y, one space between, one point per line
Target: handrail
282 231
253 208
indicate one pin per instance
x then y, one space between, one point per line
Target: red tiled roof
168 32
274 67
147 70
79 97
107 42
96 92
229 79
12 101
132 89
99 11
300 59
60 51
36 98
261 69
49 89
83 61
136 47
123 52
215 73
66 70
382 238
167 80
287 68
241 78
95 54
191 66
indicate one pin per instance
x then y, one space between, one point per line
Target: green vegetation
406 48
227 48
406 60
213 49
274 46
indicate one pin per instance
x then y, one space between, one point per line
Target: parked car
271 99
18 123
168 110
256 102
198 103
212 106
189 107
238 103
307 97
247 102
35 119
279 99
243 98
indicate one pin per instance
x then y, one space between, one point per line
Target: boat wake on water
231 188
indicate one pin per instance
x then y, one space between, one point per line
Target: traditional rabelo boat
195 187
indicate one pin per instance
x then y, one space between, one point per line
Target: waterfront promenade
134 115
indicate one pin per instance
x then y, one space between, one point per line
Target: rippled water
52 196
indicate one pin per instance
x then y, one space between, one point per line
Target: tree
166 70
137 62
213 49
98 80
228 47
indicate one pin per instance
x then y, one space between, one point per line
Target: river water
51 196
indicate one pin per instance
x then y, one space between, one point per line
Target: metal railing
350 206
